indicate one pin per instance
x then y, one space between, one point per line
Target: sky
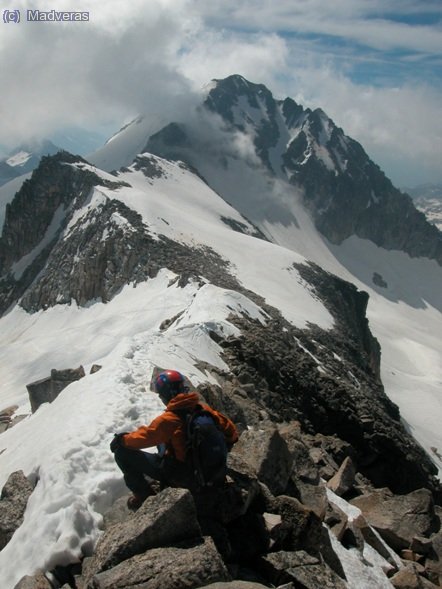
374 66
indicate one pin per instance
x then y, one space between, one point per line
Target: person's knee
122 456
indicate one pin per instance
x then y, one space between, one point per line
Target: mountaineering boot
136 500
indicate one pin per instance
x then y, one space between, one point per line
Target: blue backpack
206 448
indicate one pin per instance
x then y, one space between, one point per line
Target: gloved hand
117 442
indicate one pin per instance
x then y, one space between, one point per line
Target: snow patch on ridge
19 159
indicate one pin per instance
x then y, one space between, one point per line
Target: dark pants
140 468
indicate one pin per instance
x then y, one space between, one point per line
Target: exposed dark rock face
36 218
328 381
107 247
348 305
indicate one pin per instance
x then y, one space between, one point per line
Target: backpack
206 448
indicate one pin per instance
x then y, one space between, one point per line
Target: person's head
170 383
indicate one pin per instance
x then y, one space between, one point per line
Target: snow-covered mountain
255 244
428 199
24 159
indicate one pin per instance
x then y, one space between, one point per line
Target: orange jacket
169 429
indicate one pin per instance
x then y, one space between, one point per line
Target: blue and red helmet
170 383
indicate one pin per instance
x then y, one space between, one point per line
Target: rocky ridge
89 258
276 523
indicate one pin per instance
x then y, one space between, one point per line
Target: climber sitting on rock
192 439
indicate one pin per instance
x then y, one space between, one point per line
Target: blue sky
373 66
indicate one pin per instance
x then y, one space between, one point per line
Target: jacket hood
183 401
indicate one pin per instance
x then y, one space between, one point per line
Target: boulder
433 563
38 581
13 501
336 520
373 539
164 519
268 457
47 389
408 578
184 567
305 527
398 518
301 569
235 585
241 491
344 479
303 530
314 497
304 468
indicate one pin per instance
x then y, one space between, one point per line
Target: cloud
373 23
153 57
121 62
218 54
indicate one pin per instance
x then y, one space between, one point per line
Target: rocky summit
344 190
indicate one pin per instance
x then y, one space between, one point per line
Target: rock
314 497
303 530
242 489
166 568
421 545
6 420
47 390
235 585
408 554
268 456
162 520
336 520
302 569
408 578
118 512
433 563
372 538
7 412
304 468
13 501
95 368
272 521
344 479
398 518
304 525
38 581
